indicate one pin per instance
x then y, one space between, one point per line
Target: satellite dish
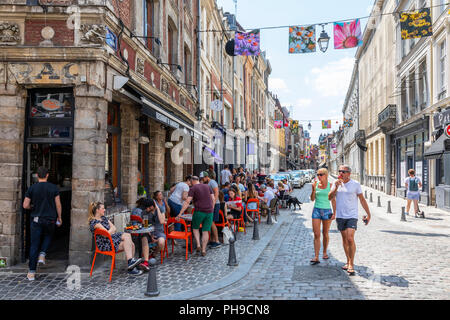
229 48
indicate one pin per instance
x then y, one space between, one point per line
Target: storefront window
112 164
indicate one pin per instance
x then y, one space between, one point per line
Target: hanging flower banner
348 123
294 126
326 124
302 39
247 44
347 34
278 124
416 25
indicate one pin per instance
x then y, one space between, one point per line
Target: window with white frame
423 84
442 69
442 6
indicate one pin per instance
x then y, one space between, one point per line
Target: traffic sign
447 130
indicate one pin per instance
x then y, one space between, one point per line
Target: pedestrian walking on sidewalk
43 200
347 192
412 185
204 202
322 213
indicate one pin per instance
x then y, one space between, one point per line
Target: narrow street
392 262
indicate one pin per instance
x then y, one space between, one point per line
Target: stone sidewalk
176 277
436 220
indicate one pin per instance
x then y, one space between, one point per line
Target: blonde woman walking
322 213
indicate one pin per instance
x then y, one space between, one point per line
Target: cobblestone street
394 260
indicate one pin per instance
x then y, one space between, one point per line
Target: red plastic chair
239 222
224 223
182 235
112 253
254 211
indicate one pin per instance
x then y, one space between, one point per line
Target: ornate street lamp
323 40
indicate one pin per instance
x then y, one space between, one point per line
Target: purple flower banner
247 44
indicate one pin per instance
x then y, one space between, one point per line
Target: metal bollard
371 200
255 230
403 214
232 254
269 217
379 202
365 194
152 286
389 207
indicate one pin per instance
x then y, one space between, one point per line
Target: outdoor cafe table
139 233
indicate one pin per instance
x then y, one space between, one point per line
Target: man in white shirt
179 193
347 192
268 196
225 175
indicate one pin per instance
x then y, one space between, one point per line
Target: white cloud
277 84
303 103
333 79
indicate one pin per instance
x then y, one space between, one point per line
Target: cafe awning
437 149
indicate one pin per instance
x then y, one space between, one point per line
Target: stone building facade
86 92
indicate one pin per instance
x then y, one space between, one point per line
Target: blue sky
314 84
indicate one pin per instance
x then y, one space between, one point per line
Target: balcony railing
388 118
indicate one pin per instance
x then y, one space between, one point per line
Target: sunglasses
320 174
343 171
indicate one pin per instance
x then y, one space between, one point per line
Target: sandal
351 272
314 262
345 267
203 253
326 257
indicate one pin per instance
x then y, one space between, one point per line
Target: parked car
279 177
298 179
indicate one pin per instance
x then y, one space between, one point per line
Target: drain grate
316 273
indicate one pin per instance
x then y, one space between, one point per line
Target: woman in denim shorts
322 212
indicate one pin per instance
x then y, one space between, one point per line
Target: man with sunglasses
347 192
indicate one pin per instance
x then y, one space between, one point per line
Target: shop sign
441 119
216 105
162 118
44 73
51 104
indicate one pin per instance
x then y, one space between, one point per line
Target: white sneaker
41 260
31 276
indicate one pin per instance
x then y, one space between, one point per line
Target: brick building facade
86 92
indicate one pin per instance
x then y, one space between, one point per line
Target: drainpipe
199 80
245 109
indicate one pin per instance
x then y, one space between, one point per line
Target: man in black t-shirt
43 200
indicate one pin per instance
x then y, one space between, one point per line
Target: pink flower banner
278 124
347 34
